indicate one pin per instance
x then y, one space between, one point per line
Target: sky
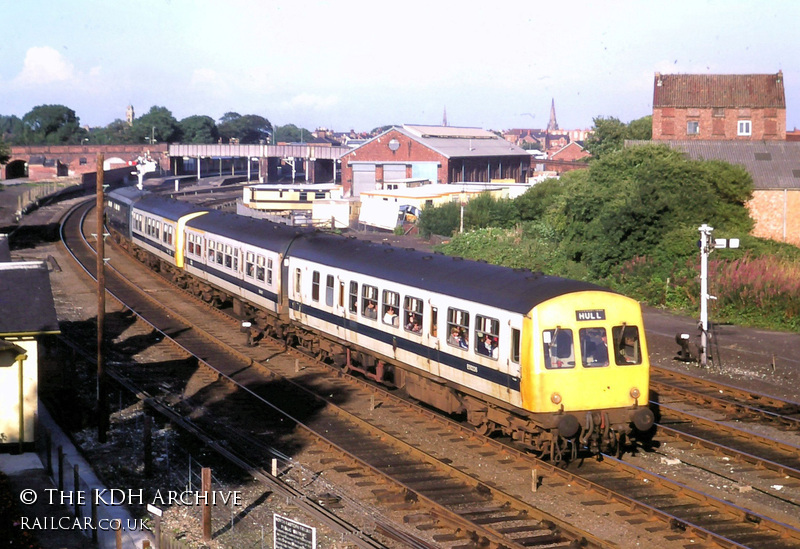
353 64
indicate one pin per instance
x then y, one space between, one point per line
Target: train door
432 340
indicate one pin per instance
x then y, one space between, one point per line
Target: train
560 366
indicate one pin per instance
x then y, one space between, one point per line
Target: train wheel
486 428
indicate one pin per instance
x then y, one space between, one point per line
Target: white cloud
44 65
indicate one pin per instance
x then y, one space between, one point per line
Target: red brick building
731 107
441 154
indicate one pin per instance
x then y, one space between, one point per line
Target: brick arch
15 169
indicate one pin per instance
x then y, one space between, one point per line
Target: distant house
570 153
28 314
440 154
741 107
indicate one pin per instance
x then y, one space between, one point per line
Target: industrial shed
440 154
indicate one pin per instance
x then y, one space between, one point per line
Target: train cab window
486 336
627 345
434 321
594 347
391 306
269 270
369 301
412 314
458 328
315 286
353 297
515 345
558 349
329 290
297 280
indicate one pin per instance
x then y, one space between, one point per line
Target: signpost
288 534
708 245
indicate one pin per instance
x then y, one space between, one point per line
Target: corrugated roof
26 299
772 164
454 142
719 90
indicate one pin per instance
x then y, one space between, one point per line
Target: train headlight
635 393
555 398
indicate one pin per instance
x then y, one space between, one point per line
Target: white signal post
707 245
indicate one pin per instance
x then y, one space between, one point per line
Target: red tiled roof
719 90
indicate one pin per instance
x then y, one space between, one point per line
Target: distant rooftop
719 90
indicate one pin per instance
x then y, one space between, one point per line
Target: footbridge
308 162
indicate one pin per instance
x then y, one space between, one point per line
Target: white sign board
289 534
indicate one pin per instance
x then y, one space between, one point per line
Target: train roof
256 232
127 195
168 208
517 290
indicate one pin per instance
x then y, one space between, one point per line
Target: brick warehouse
732 107
441 154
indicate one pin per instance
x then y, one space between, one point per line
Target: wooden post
118 535
206 489
102 397
534 480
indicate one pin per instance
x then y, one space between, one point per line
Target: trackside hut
28 314
441 154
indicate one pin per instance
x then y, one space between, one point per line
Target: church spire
553 124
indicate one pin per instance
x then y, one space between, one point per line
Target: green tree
291 134
629 203
11 128
199 129
609 134
5 152
250 128
158 126
51 125
116 133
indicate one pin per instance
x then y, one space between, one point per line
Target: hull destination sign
583 316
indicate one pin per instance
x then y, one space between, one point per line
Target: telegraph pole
102 397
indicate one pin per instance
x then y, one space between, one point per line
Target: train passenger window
269 271
260 268
353 297
297 282
211 253
627 345
412 314
594 347
369 301
486 336
391 306
558 349
228 257
315 286
329 290
434 321
515 345
250 265
458 328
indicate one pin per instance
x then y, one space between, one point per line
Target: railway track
664 505
452 507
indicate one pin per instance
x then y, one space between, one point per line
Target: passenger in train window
413 324
489 345
370 311
390 317
454 337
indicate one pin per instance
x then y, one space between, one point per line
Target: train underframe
560 437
